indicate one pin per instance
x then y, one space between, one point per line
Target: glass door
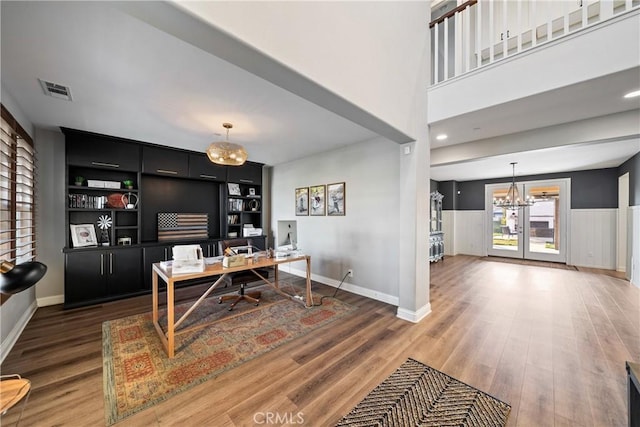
536 232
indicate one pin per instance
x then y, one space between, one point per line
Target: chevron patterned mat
418 395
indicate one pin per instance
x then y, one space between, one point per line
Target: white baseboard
358 290
52 300
15 333
414 316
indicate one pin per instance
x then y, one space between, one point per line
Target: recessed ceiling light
633 94
441 137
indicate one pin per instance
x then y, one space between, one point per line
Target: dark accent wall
433 186
591 189
633 167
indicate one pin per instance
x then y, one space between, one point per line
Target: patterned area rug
417 395
137 373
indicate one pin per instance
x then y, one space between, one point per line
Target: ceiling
130 79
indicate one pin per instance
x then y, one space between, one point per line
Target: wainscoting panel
633 245
469 233
593 238
448 227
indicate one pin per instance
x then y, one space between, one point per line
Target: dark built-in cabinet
162 180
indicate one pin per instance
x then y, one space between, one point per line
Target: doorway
536 232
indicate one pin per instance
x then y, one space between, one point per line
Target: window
17 202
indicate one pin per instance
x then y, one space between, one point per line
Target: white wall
593 238
633 245
469 233
50 221
366 238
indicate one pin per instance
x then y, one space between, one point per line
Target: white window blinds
17 201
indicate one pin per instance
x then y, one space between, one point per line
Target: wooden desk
168 338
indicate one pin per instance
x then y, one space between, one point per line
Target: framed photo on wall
316 200
83 235
336 198
302 201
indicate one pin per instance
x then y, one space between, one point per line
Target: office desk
168 338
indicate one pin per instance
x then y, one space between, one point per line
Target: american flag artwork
182 226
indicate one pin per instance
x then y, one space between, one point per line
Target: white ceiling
132 80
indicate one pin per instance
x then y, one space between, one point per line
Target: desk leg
170 315
309 296
154 293
275 279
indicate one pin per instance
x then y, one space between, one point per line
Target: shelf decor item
83 235
128 184
234 189
174 226
79 181
104 223
336 199
317 194
302 201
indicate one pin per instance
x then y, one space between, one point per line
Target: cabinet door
84 277
249 173
123 271
101 152
151 255
201 167
164 161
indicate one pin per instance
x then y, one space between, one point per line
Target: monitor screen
287 237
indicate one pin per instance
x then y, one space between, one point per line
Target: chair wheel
230 308
219 300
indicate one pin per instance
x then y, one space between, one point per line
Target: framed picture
302 201
336 198
83 235
317 196
252 191
234 189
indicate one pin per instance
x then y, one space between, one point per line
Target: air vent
56 90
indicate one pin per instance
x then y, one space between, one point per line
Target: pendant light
513 200
225 152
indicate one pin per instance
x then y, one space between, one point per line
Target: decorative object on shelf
336 199
317 199
252 192
225 152
83 235
96 183
512 199
302 201
104 223
124 241
254 205
182 226
130 200
117 201
79 181
128 184
234 189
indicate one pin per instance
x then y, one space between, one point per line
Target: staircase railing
480 32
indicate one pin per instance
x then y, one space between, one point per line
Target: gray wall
633 167
591 189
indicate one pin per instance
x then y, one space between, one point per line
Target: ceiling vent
55 90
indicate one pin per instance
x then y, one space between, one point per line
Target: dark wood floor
551 342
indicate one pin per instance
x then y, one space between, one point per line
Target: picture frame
317 194
234 189
252 191
83 235
302 201
336 199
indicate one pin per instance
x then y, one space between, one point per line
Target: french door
536 232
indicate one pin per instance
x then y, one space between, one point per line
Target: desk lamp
14 279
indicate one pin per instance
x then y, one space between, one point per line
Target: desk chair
241 277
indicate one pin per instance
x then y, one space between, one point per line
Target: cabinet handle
110 263
501 36
208 176
248 181
102 264
507 33
165 254
166 171
110 165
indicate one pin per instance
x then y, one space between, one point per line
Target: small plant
79 180
128 184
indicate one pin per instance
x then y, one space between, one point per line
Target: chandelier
512 200
225 152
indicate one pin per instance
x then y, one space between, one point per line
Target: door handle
110 165
166 171
208 176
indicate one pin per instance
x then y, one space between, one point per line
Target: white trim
52 300
414 316
358 290
15 333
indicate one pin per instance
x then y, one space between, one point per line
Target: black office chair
241 277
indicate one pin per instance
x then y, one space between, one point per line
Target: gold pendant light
225 152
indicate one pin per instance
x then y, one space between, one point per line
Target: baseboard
52 300
414 316
358 290
15 333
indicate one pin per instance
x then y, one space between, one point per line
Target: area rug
418 395
138 374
